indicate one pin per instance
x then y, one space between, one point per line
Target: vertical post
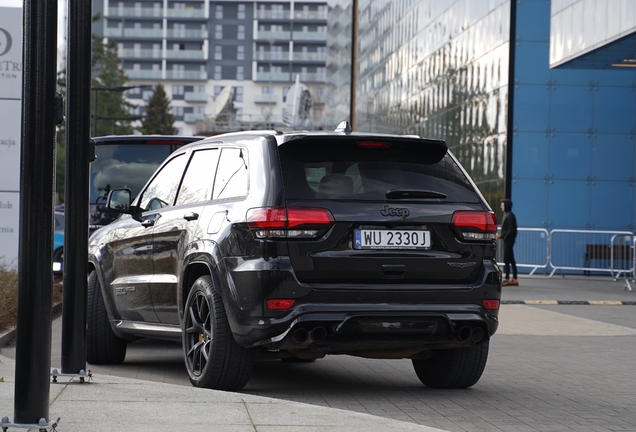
37 187
354 61
78 85
511 100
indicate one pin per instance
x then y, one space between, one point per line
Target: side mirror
119 200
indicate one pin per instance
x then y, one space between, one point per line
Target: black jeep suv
296 245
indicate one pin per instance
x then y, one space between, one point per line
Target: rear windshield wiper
413 193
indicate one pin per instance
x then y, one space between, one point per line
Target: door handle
191 216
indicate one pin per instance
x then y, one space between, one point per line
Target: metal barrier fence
532 249
575 251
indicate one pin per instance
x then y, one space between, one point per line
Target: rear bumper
371 320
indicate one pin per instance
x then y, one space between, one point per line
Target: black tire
295 359
453 368
102 345
213 358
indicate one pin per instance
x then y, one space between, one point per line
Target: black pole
37 186
95 93
78 85
511 99
354 62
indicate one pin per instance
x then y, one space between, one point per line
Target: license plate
391 239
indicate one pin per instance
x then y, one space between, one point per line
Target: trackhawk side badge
461 264
391 211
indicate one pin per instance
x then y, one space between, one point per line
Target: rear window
124 166
349 169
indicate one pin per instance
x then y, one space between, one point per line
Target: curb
8 337
572 302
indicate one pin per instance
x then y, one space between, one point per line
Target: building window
177 90
218 12
238 94
267 90
177 111
240 72
239 113
198 110
199 89
218 52
218 31
217 72
240 32
134 91
241 11
285 91
240 52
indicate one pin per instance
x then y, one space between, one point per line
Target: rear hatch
372 210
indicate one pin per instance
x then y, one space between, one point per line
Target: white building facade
226 65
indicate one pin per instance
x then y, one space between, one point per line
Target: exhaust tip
464 333
318 334
301 335
477 334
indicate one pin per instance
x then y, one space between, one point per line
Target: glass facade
440 69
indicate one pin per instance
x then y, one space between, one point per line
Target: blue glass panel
533 20
611 205
569 204
613 157
614 109
570 156
572 76
530 155
530 112
571 109
530 198
532 63
625 77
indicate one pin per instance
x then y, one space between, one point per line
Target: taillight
475 225
289 222
491 304
280 304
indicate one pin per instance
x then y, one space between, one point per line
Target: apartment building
226 65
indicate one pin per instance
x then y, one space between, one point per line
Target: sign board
10 132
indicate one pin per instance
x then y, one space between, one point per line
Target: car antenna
345 127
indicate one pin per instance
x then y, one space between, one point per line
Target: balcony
187 13
272 56
135 12
113 32
269 99
273 15
270 35
312 77
139 53
192 117
188 34
272 76
187 75
186 54
309 36
143 33
310 15
195 97
143 74
309 56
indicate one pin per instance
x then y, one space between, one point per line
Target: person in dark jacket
508 235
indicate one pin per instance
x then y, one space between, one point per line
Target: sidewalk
111 403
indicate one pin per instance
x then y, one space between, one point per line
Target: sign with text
10 132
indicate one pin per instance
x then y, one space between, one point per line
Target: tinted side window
124 165
199 177
231 177
162 189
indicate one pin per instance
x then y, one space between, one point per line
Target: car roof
145 139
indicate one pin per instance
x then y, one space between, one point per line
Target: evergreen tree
158 118
113 111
